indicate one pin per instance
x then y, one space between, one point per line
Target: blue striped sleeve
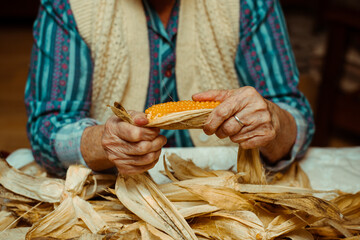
58 88
265 61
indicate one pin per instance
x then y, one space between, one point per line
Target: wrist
285 135
91 149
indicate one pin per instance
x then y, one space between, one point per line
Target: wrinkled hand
259 123
133 149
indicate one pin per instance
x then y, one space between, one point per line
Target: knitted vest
116 33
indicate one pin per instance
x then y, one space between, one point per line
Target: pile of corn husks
197 204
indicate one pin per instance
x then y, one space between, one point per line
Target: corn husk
142 197
39 188
68 217
284 224
121 113
185 169
147 231
198 204
192 119
299 235
349 205
238 225
7 219
30 212
249 163
176 191
96 184
294 177
34 169
223 198
9 195
131 231
308 204
208 203
193 209
91 236
180 120
14 234
55 223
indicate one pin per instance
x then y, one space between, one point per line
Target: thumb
211 95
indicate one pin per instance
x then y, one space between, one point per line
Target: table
327 168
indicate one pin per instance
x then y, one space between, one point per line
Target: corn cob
162 109
173 115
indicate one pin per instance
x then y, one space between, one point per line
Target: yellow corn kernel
163 109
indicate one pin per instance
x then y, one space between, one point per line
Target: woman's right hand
132 148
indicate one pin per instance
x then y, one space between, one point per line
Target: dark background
325 38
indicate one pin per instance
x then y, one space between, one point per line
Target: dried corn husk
6 194
249 163
55 223
194 209
298 235
239 225
34 169
31 213
6 219
14 234
131 231
142 197
67 218
192 119
352 238
176 191
186 169
308 204
120 112
96 184
178 120
284 224
223 198
216 204
39 188
91 236
149 232
294 177
349 205
266 220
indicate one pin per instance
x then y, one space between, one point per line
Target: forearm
286 132
91 149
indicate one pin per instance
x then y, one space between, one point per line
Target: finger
144 147
139 118
116 128
265 133
219 115
220 133
142 160
253 120
229 128
212 95
255 142
131 133
134 169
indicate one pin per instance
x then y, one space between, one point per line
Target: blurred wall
19 9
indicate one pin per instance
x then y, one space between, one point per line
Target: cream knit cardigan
116 33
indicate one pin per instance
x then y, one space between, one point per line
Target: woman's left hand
248 119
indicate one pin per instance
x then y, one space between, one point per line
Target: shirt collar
154 21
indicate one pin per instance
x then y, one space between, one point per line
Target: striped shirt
58 89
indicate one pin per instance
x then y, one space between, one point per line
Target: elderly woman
89 53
